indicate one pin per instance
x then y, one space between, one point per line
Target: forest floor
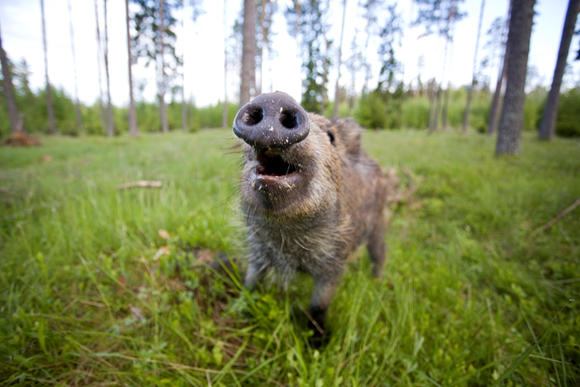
90 292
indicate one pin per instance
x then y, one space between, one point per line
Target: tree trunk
448 90
9 90
325 62
260 85
324 88
432 92
510 127
225 123
248 51
133 128
470 92
493 114
336 90
446 106
110 123
298 13
492 124
49 108
450 41
99 52
551 110
184 124
72 45
162 106
437 108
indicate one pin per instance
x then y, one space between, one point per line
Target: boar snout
273 120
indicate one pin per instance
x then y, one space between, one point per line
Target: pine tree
510 127
551 110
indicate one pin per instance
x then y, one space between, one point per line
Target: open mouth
272 167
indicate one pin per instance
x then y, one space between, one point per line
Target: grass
469 298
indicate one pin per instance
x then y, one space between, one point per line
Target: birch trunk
183 107
162 106
49 108
337 91
473 79
110 122
248 51
72 45
492 124
133 128
99 53
225 123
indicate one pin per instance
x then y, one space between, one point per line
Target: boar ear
331 136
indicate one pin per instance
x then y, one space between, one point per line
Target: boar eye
331 136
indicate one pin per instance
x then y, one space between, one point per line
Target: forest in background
389 104
404 108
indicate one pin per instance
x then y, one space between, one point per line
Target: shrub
371 112
568 121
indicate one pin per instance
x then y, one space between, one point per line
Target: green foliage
415 113
312 41
533 108
371 112
390 34
396 110
568 121
32 107
470 297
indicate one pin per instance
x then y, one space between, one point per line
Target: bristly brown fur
316 224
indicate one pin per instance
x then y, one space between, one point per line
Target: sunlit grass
469 298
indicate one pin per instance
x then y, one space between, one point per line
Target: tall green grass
469 297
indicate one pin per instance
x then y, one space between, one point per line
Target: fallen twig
141 184
557 218
318 328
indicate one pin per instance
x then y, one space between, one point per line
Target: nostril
253 117
289 119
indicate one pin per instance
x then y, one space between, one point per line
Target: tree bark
336 90
9 90
492 124
49 108
248 51
432 92
99 52
110 123
473 79
183 107
444 124
510 127
260 85
133 128
72 45
551 110
437 114
225 123
162 106
325 62
323 87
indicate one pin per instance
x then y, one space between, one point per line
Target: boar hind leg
377 247
322 295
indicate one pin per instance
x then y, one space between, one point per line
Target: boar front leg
321 296
377 247
254 272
